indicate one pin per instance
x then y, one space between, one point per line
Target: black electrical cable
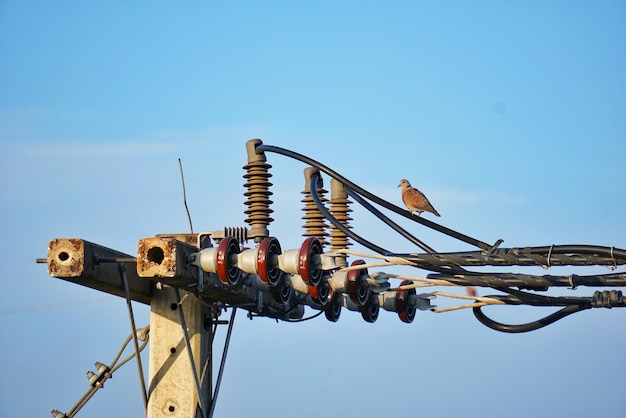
581 249
372 197
457 274
402 232
554 255
357 238
495 279
531 326
354 190
131 315
320 205
222 363
526 281
351 187
612 252
543 300
607 299
308 318
388 221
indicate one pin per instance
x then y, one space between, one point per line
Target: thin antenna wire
182 177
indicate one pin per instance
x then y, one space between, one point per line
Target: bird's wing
413 197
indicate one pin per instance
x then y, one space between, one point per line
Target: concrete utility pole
177 377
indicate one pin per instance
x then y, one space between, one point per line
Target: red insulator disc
227 273
268 248
405 311
310 273
358 293
320 293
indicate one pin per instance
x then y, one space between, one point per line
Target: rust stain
72 263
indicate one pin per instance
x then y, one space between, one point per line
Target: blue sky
508 115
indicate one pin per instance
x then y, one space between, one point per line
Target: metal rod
116 260
223 361
134 334
183 323
182 178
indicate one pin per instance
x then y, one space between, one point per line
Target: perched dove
414 200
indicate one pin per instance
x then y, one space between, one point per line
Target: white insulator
289 261
246 260
205 259
298 284
306 261
338 281
221 260
329 261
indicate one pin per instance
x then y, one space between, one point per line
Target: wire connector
608 299
98 379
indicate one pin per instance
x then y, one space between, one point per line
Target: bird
414 200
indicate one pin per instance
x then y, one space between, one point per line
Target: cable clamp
614 266
571 282
549 255
607 299
494 247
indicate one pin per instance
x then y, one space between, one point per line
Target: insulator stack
339 209
257 192
314 221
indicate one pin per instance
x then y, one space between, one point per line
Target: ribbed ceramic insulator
257 192
339 208
240 233
314 221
